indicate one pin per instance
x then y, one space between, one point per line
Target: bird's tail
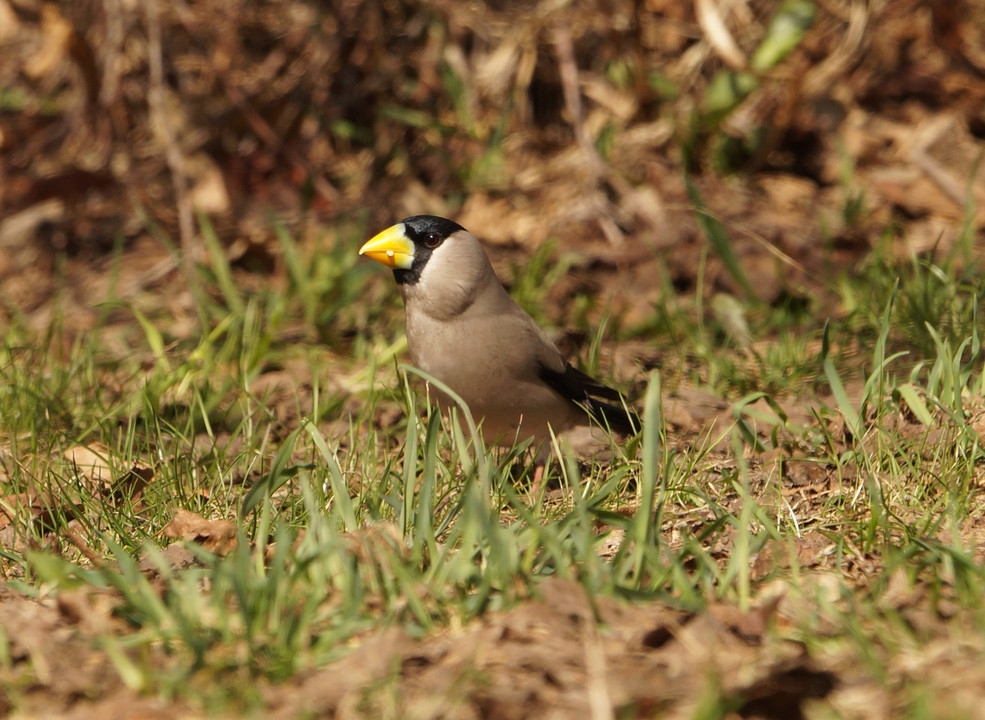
598 400
617 418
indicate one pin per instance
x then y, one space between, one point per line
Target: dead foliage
94 483
132 114
525 120
216 536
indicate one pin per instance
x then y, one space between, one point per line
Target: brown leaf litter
568 656
216 536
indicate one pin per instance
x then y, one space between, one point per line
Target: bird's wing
587 392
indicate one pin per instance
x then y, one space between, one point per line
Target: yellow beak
391 247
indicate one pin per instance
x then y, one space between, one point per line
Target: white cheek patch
436 269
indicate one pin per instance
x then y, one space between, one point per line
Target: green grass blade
340 491
644 526
719 239
280 472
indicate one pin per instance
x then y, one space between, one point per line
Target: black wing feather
587 392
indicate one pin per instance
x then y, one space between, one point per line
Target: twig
76 539
713 24
111 66
568 69
173 155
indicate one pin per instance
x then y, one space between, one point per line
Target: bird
465 330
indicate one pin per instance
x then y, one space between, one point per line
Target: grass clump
315 507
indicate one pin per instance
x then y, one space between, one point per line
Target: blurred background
745 148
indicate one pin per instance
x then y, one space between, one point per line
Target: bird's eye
432 240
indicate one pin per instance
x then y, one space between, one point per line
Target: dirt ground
120 120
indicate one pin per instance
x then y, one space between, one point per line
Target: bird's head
408 246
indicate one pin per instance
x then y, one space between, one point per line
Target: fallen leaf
218 536
101 476
34 507
749 625
90 608
57 33
91 462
